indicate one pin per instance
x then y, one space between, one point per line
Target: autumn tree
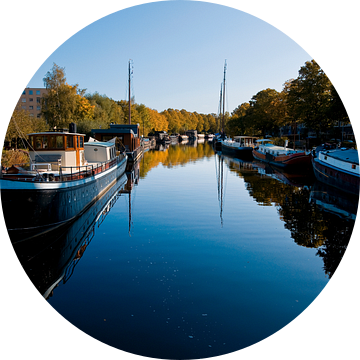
21 124
63 103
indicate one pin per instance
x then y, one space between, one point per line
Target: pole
129 94
223 122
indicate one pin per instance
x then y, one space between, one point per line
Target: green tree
309 98
267 111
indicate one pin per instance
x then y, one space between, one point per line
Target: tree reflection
317 216
176 155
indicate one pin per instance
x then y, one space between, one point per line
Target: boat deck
347 155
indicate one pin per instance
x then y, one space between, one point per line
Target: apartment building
30 101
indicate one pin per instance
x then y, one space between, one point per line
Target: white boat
65 177
183 138
338 168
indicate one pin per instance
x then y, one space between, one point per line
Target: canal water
193 254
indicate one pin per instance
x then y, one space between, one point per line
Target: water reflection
151 269
51 258
317 216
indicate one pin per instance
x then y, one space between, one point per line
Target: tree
267 111
309 97
63 103
21 124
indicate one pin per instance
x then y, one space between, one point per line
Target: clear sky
178 50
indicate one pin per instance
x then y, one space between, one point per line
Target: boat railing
80 172
66 173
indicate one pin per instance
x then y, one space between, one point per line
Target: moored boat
338 168
183 138
65 177
281 156
240 146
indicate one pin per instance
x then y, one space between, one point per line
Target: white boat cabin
266 146
52 150
49 150
99 151
241 141
346 160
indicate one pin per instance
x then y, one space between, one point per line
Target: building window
38 100
38 116
23 107
31 99
23 100
31 108
37 92
24 92
31 114
38 108
30 92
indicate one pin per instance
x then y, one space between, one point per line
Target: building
30 101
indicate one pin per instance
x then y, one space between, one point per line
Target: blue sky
178 50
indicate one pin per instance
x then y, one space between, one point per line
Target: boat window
51 142
81 141
70 141
59 142
353 166
38 142
41 142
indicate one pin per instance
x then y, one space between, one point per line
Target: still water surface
196 255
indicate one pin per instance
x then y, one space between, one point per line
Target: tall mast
220 115
223 118
129 94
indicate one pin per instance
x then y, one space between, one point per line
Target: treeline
310 100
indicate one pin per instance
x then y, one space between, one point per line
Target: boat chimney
72 128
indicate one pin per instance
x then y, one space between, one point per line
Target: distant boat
183 138
281 156
338 168
174 138
240 146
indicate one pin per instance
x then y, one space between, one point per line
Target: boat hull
335 177
241 152
36 207
284 161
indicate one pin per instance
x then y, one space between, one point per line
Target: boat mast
129 94
220 115
223 102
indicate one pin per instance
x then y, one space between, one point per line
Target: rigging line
19 133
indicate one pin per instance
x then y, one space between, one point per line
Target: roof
114 131
99 143
245 137
56 133
348 155
118 129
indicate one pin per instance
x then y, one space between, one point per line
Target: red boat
281 156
